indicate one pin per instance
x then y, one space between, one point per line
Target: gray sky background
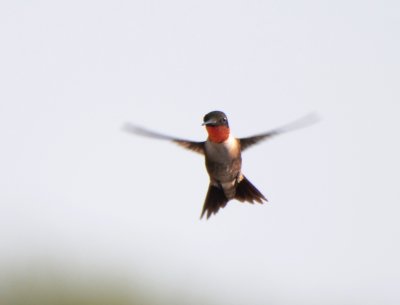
77 190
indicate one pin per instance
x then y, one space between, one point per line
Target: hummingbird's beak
210 121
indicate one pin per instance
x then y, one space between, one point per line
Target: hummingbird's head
217 126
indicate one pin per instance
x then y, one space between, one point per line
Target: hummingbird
223 158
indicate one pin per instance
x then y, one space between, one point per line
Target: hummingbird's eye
224 119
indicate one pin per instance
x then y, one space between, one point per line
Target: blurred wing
191 145
300 123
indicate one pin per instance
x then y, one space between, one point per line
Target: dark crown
215 118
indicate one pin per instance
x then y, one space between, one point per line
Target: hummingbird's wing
191 145
300 123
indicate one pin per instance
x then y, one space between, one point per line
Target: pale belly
223 162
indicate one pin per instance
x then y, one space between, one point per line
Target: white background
76 189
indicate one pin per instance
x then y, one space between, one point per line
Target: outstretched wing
191 145
300 123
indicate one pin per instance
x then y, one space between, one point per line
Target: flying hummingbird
223 158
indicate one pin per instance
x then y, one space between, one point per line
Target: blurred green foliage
45 287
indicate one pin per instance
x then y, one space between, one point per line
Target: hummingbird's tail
215 200
245 191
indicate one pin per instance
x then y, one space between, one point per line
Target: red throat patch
218 134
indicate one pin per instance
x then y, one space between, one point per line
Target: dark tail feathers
216 199
245 191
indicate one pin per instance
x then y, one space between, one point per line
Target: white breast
221 152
